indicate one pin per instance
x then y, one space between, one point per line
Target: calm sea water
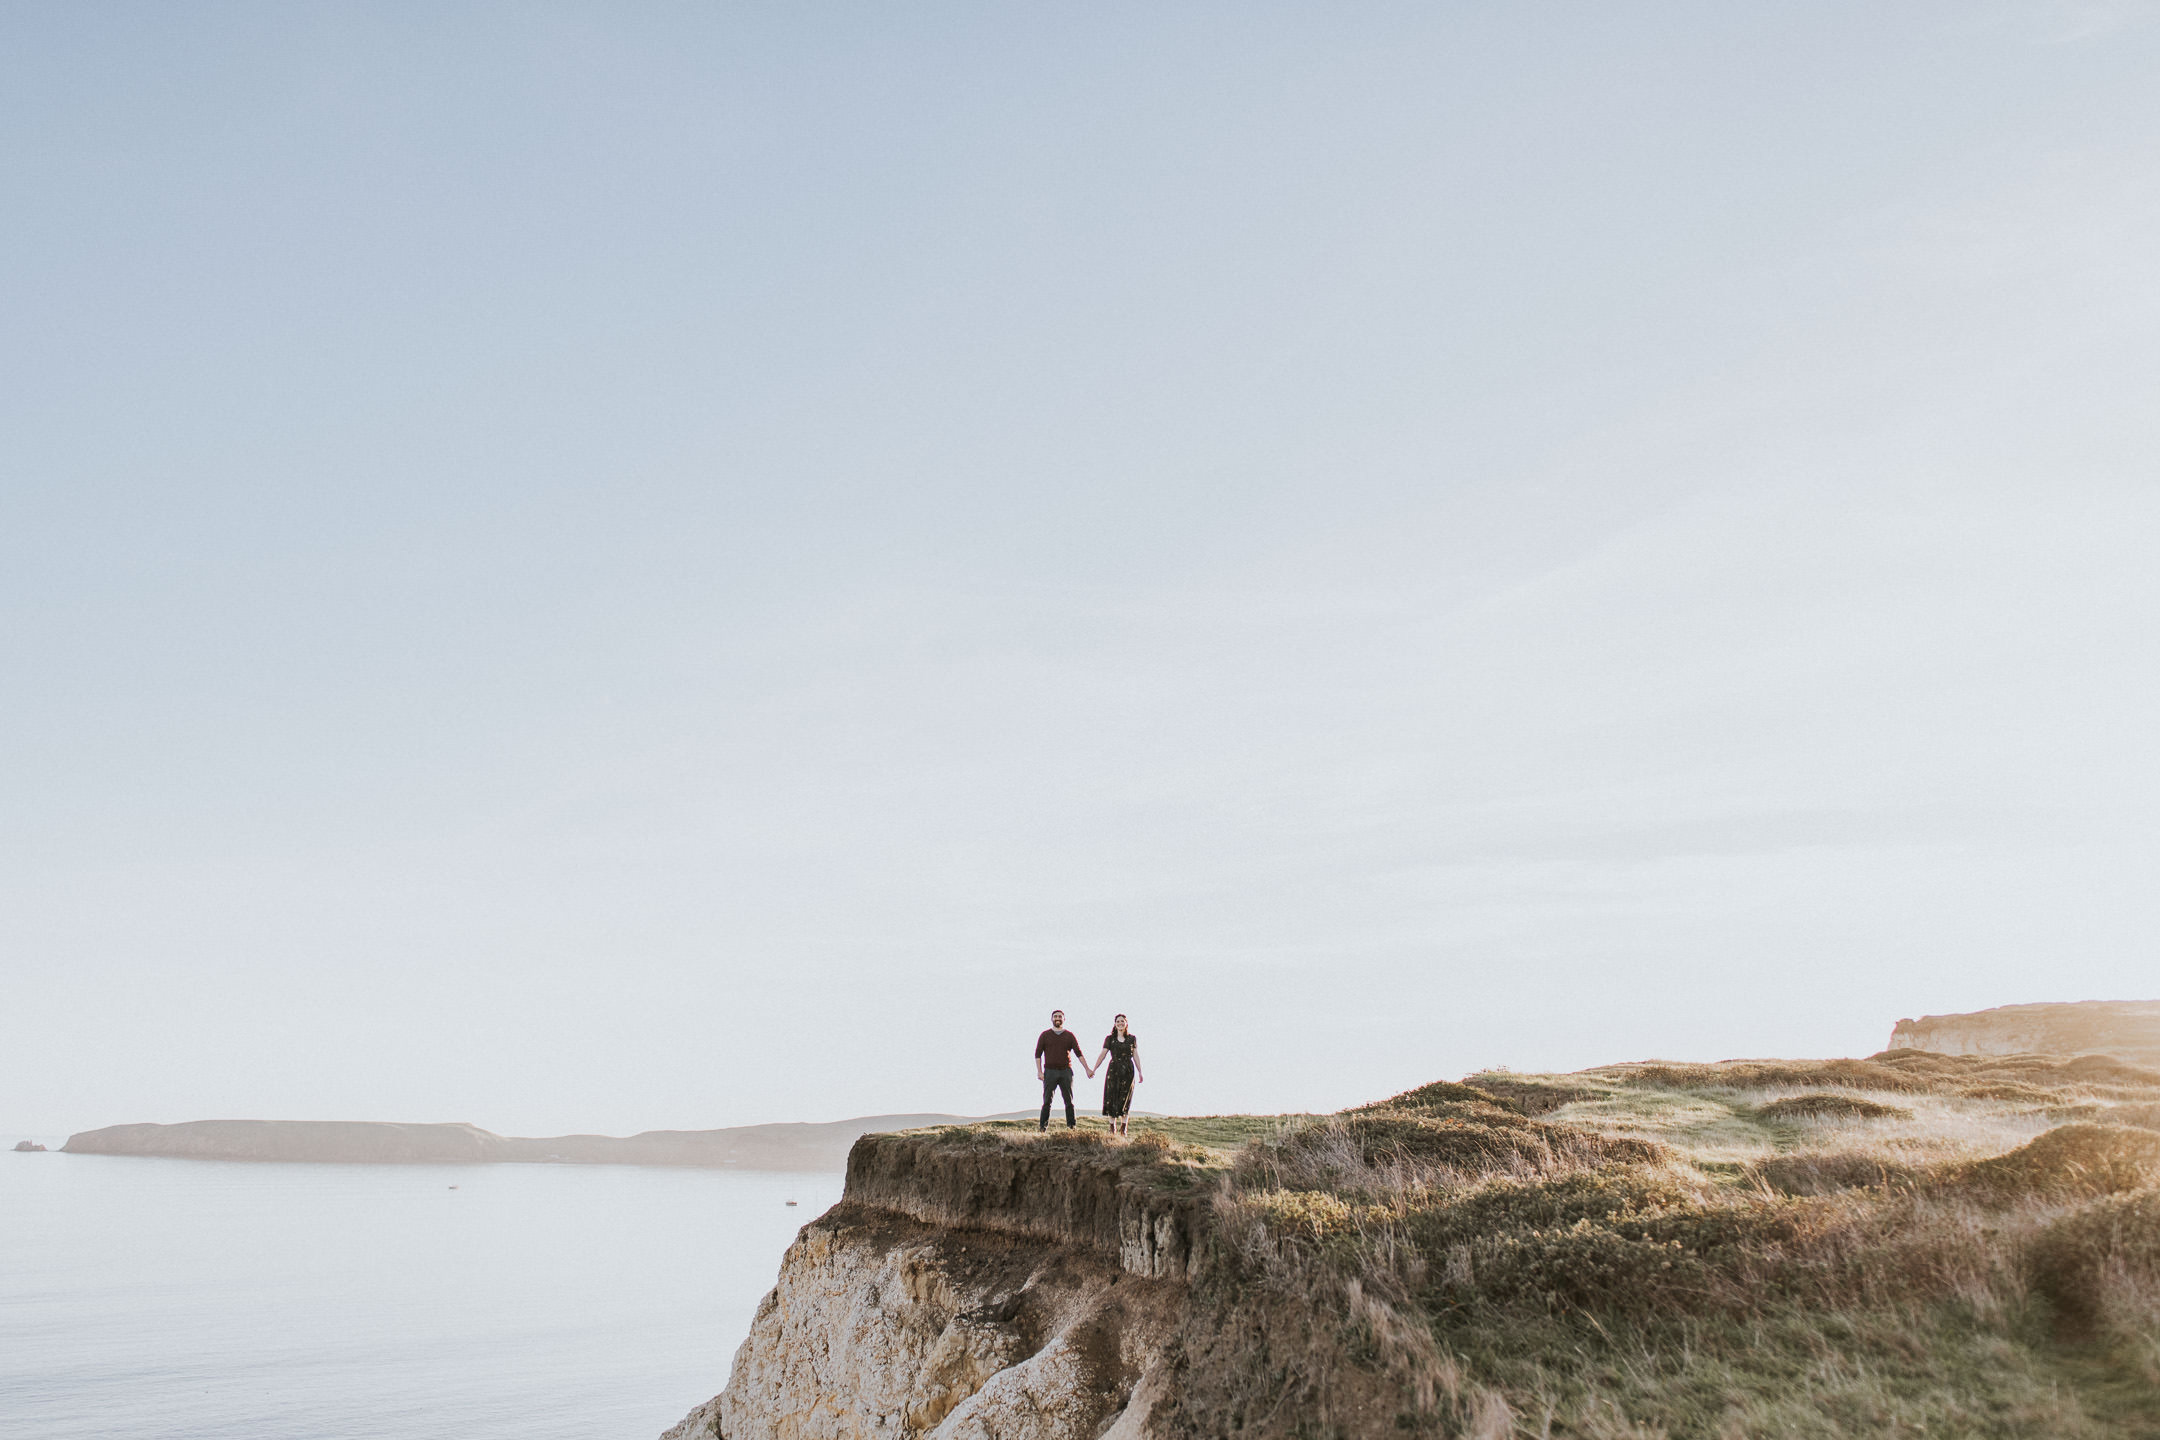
160 1299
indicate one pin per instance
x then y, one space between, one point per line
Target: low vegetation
1216 1133
1912 1244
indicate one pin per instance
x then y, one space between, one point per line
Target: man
1054 1052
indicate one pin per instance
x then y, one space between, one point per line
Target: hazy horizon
592 570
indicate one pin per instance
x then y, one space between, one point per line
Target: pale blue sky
604 567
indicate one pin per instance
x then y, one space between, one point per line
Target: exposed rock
886 1327
2126 1029
975 1287
1091 1195
27 1147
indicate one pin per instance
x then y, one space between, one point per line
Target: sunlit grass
1852 1248
1900 1246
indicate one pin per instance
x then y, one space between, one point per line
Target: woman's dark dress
1117 1085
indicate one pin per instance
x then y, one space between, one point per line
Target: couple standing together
1056 1049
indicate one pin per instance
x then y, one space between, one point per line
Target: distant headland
2126 1029
799 1146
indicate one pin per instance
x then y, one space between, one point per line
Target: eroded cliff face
966 1291
884 1327
1089 1197
1447 1263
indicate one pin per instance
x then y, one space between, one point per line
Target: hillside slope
1910 1244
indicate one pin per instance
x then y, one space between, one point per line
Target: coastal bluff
976 1284
795 1146
2126 1029
1824 1249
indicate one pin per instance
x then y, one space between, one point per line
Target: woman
1123 1048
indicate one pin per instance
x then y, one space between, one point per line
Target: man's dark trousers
1053 1082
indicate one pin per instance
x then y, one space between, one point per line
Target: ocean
173 1299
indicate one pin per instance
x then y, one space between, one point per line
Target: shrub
1391 1150
1310 1214
1616 1241
1920 1061
2145 1117
2100 1266
1465 1142
1777 1075
1819 1105
1806 1174
1440 1094
2004 1090
1532 1097
2070 1160
1589 1267
1072 1137
2108 1069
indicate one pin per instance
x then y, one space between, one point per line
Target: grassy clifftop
1913 1244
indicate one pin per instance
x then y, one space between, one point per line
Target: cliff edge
1911 1243
977 1283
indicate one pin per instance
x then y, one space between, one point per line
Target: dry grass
1829 1105
2070 1161
2100 1267
1906 1244
1222 1134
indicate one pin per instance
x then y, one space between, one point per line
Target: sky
593 568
